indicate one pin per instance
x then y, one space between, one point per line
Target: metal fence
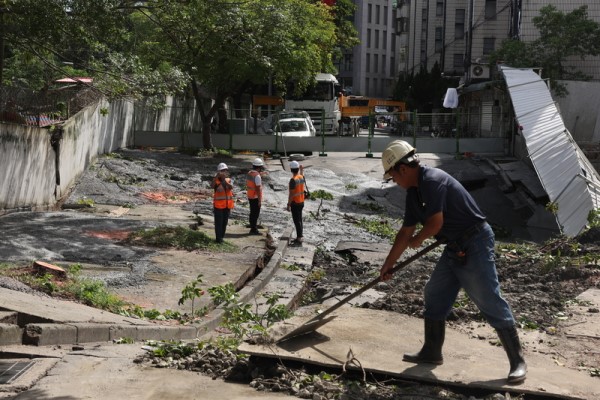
44 108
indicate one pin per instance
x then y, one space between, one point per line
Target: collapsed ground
540 281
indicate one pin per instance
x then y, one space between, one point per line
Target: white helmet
294 165
258 162
398 150
222 166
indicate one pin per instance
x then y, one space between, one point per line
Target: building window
439 8
375 63
374 86
393 43
368 38
348 61
392 66
438 39
385 15
458 61
383 64
459 24
368 62
377 12
366 86
384 40
489 45
369 13
376 38
490 9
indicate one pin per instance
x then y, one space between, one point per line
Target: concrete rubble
73 352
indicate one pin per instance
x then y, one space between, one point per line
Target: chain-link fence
43 108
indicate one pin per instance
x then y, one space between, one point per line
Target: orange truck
357 108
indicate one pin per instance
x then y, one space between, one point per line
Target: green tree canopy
215 48
562 37
226 45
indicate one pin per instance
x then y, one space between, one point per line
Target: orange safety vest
223 198
251 188
298 191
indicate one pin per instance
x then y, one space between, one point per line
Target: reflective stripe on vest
223 198
251 188
298 191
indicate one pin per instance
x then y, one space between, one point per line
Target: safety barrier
433 132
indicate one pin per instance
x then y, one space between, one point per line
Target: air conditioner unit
479 71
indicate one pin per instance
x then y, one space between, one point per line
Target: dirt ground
541 280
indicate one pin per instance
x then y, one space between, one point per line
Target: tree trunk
205 117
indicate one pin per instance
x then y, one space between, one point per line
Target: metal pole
322 153
371 133
458 136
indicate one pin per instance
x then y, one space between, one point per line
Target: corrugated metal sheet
565 173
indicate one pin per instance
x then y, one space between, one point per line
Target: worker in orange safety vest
296 198
222 200
255 193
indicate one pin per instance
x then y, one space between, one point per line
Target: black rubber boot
431 353
510 340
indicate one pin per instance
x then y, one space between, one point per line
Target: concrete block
89 332
123 331
49 334
152 332
166 332
10 334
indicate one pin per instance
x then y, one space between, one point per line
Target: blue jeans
476 274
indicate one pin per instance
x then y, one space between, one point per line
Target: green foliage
84 201
351 186
321 194
290 267
423 90
552 207
238 317
316 275
191 291
380 227
94 293
562 36
177 237
594 218
526 323
171 348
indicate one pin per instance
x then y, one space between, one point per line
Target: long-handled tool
320 319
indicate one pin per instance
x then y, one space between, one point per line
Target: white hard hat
294 165
258 162
398 150
221 166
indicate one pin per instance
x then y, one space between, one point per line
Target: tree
226 45
562 36
424 91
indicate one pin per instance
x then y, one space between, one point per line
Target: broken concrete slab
378 339
519 172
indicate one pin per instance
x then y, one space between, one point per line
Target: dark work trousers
296 209
221 220
254 212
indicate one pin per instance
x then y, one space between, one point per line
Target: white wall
580 110
28 162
